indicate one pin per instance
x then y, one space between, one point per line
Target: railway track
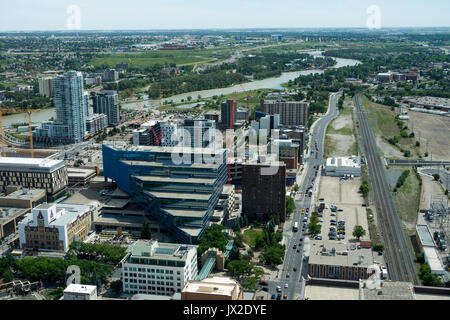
398 259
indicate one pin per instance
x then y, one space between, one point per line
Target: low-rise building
343 261
18 197
80 176
80 292
151 267
343 166
214 288
54 227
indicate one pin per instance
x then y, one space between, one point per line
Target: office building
107 102
213 288
157 133
50 175
292 113
384 77
110 75
242 114
264 193
198 133
276 37
288 152
53 227
181 196
71 104
228 114
96 123
151 267
80 292
46 87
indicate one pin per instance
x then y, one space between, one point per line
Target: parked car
263 283
278 289
286 285
318 238
279 296
274 297
295 269
285 296
295 247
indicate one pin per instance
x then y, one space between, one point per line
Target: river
269 83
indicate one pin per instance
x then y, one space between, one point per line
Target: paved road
443 173
294 259
398 258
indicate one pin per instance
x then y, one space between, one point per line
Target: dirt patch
387 150
433 130
342 145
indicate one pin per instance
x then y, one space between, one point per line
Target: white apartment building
151 267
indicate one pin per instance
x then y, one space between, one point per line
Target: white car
286 285
278 289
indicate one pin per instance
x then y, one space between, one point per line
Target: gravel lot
434 130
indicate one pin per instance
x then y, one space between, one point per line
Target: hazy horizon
102 15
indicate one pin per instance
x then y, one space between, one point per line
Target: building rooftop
8 213
80 289
29 163
425 235
389 290
432 257
159 250
161 164
80 172
223 286
175 180
342 255
171 195
24 194
343 162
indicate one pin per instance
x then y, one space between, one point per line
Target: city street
308 178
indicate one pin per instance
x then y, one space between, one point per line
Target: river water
269 83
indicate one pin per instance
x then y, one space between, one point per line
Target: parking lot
344 195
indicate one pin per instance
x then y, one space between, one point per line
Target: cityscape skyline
51 15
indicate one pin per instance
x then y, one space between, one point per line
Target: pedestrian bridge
211 262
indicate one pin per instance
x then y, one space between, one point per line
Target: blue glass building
181 197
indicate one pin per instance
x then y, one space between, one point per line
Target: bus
295 228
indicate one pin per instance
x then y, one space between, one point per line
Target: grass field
407 199
250 236
147 59
381 119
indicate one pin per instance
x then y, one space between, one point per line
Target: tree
358 232
212 238
436 176
296 188
273 255
290 205
364 188
116 286
145 231
313 226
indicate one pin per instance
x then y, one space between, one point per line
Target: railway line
397 255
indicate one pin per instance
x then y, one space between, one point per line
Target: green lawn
250 237
407 199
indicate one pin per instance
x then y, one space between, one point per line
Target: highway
294 259
397 255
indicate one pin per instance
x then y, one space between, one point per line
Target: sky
45 15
